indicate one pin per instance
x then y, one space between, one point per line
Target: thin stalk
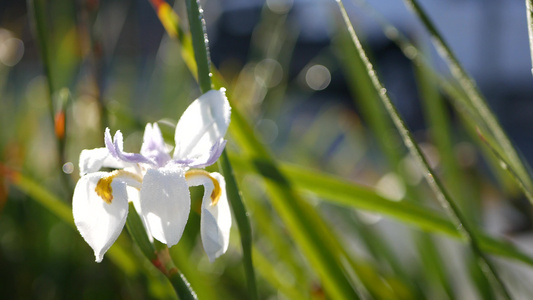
245 230
138 233
199 44
471 90
164 263
442 195
201 54
529 12
37 18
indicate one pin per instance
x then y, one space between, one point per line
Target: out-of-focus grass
315 234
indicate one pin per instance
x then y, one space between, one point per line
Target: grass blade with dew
529 12
475 98
374 114
201 55
440 129
434 182
457 97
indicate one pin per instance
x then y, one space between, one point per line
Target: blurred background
289 65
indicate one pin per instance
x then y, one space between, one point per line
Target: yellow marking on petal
217 191
104 189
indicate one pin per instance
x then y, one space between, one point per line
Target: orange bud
59 121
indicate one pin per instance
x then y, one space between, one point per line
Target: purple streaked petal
109 143
184 162
153 146
214 154
125 156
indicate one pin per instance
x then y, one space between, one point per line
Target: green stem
164 263
442 195
529 12
138 233
182 286
37 18
201 53
158 254
199 44
245 230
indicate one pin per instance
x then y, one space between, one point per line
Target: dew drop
68 168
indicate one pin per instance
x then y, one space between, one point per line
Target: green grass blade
37 13
347 194
529 12
457 98
303 223
440 128
381 125
243 223
276 235
474 96
434 182
439 124
199 44
269 273
372 110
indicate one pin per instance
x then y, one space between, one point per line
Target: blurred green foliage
349 215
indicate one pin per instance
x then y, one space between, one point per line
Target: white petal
153 146
94 159
202 125
215 221
99 223
134 196
165 203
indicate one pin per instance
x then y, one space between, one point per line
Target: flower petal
117 150
210 159
94 159
165 203
215 221
153 146
202 125
99 223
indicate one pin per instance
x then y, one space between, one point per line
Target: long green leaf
241 216
529 12
440 128
264 266
476 99
348 194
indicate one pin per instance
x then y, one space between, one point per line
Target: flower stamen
104 189
217 191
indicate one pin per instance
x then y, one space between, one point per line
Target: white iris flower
157 184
